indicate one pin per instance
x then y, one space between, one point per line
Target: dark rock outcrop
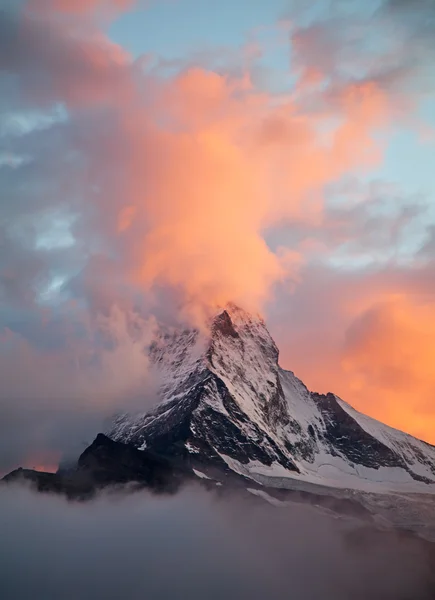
106 463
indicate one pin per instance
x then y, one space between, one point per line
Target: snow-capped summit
227 404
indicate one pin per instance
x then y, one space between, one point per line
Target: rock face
105 463
227 404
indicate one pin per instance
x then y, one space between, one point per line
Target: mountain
106 463
226 406
230 419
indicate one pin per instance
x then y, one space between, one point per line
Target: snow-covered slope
226 404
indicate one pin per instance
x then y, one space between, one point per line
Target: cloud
61 60
83 6
58 393
209 222
196 545
428 248
368 224
389 42
389 351
203 160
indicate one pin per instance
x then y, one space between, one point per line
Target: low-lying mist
196 546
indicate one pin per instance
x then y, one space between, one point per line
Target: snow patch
201 475
191 448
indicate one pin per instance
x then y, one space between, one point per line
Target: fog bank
194 545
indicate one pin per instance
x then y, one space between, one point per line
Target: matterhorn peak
236 331
225 403
231 317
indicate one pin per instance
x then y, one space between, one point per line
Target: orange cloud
206 163
371 341
125 218
389 358
81 7
213 163
43 461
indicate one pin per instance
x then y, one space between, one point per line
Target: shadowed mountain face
227 404
106 463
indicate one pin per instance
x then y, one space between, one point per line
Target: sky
160 158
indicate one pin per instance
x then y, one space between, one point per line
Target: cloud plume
204 161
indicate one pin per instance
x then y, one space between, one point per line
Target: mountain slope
227 405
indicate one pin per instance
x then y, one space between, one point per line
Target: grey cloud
196 546
51 59
428 248
363 220
77 173
59 388
416 14
390 42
